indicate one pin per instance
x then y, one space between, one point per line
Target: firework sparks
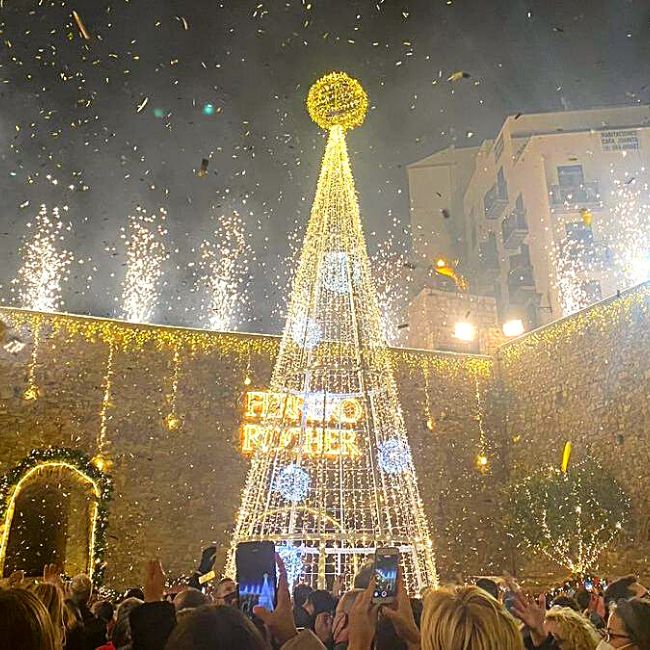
224 271
45 268
146 252
392 282
631 241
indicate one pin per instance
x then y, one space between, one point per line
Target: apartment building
552 214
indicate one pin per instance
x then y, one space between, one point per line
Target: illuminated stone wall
586 379
176 491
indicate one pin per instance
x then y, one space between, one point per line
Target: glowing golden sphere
337 100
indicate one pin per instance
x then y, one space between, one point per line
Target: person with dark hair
105 612
628 625
364 575
226 592
565 601
488 585
320 607
134 592
214 627
120 636
300 594
625 587
189 598
25 623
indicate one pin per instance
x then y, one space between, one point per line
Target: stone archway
51 516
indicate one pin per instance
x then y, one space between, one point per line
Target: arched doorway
51 515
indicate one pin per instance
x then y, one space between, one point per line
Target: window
619 141
498 148
578 233
592 291
519 204
502 185
570 176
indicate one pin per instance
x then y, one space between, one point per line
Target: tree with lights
331 474
568 516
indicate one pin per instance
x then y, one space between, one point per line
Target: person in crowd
320 607
569 629
189 598
134 592
105 612
467 617
25 622
52 597
565 601
628 625
625 587
94 630
364 575
486 584
340 625
211 627
226 592
300 594
120 637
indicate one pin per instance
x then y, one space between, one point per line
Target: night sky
69 110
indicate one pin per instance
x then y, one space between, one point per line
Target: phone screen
386 562
256 576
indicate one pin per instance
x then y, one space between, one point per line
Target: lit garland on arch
75 460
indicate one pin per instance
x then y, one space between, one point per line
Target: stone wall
176 491
586 379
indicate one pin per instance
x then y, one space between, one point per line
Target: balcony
521 284
571 199
494 203
514 229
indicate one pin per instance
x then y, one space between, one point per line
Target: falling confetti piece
145 101
80 25
184 22
457 76
203 169
445 213
402 326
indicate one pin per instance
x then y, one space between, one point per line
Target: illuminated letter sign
317 426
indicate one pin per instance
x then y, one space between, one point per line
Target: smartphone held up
386 564
256 576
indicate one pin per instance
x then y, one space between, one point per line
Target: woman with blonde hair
570 630
467 617
25 622
52 597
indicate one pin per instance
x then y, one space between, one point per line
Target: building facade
554 210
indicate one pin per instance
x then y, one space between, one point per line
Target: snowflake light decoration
394 456
293 483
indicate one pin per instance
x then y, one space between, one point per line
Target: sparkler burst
45 267
393 282
224 271
145 252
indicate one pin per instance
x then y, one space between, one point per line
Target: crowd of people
48 614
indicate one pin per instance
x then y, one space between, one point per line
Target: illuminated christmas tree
331 474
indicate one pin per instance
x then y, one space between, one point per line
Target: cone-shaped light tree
331 474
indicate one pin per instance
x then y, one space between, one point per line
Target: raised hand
362 620
52 575
401 615
532 613
279 622
154 581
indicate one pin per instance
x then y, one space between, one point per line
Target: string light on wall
292 482
482 460
106 404
32 391
173 420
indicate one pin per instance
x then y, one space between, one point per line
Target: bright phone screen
385 574
256 575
